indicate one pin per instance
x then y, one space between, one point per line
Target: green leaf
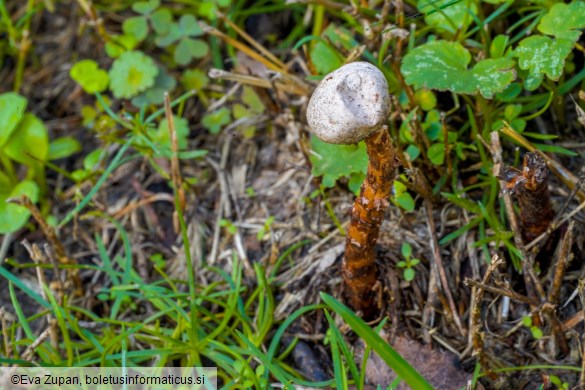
173 35
215 120
325 58
425 99
161 19
29 144
145 7
188 48
405 201
412 151
448 15
436 153
406 250
408 274
562 18
443 65
133 72
88 74
162 135
119 44
12 107
189 26
498 46
163 82
512 111
392 358
540 54
355 182
12 216
63 147
536 332
510 93
208 10
136 26
252 100
92 160
336 161
194 79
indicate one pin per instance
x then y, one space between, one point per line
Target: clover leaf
183 34
137 26
444 65
13 216
88 74
12 107
133 72
542 55
448 15
163 82
215 120
336 161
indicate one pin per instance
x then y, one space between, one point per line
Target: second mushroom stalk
352 104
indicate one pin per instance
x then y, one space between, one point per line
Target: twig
582 298
562 262
176 177
4 247
476 312
7 344
555 226
438 265
37 256
30 350
500 291
267 53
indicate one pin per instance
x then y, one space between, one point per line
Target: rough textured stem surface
536 211
531 189
359 268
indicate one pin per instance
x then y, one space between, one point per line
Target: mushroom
352 104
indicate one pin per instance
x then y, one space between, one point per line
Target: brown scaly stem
531 189
359 269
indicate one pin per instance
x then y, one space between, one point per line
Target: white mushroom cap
349 104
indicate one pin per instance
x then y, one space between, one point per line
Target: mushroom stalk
350 105
359 269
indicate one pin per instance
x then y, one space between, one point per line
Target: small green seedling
536 332
264 231
408 263
555 380
228 225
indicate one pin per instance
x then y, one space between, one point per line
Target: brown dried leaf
439 368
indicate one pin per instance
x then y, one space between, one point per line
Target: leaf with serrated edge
443 65
562 18
540 54
336 161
